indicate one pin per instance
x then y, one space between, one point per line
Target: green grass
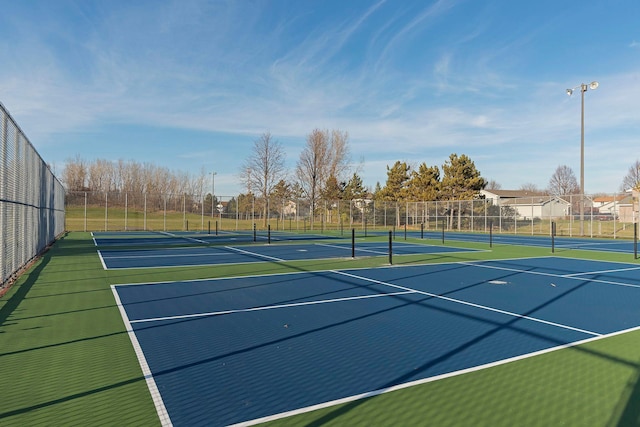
65 357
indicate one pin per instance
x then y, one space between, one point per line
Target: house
529 204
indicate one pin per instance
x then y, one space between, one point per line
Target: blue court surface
583 243
248 349
214 255
181 238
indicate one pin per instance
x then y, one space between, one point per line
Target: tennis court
561 242
215 255
181 238
249 349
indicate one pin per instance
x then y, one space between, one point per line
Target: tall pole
583 89
213 191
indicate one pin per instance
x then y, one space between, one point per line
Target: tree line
323 172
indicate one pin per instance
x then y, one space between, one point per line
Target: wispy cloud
404 79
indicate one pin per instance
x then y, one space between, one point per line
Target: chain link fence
603 216
31 201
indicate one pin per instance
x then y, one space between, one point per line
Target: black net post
365 226
353 243
490 234
187 224
216 227
254 232
390 248
209 228
443 231
553 237
269 234
405 232
422 230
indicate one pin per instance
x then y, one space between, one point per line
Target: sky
191 84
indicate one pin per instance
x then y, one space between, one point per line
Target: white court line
268 307
168 256
166 233
540 273
423 381
458 301
253 253
615 270
104 266
146 371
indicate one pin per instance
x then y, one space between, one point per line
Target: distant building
529 204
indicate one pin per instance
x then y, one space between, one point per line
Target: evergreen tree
424 184
461 180
397 180
333 190
354 190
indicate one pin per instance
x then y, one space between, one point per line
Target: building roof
513 194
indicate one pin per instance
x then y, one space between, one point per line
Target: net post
209 227
390 248
268 234
490 234
422 230
353 243
443 231
216 227
187 222
553 237
365 226
254 232
405 231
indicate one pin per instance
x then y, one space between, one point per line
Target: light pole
213 191
583 88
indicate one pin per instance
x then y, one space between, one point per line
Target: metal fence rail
31 201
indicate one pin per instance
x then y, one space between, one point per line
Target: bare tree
264 168
530 187
312 170
338 155
325 155
75 174
563 182
493 185
632 179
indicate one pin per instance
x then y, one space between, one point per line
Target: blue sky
190 84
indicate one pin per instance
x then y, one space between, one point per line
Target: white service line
562 276
269 307
104 266
484 307
161 410
253 253
616 270
169 255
